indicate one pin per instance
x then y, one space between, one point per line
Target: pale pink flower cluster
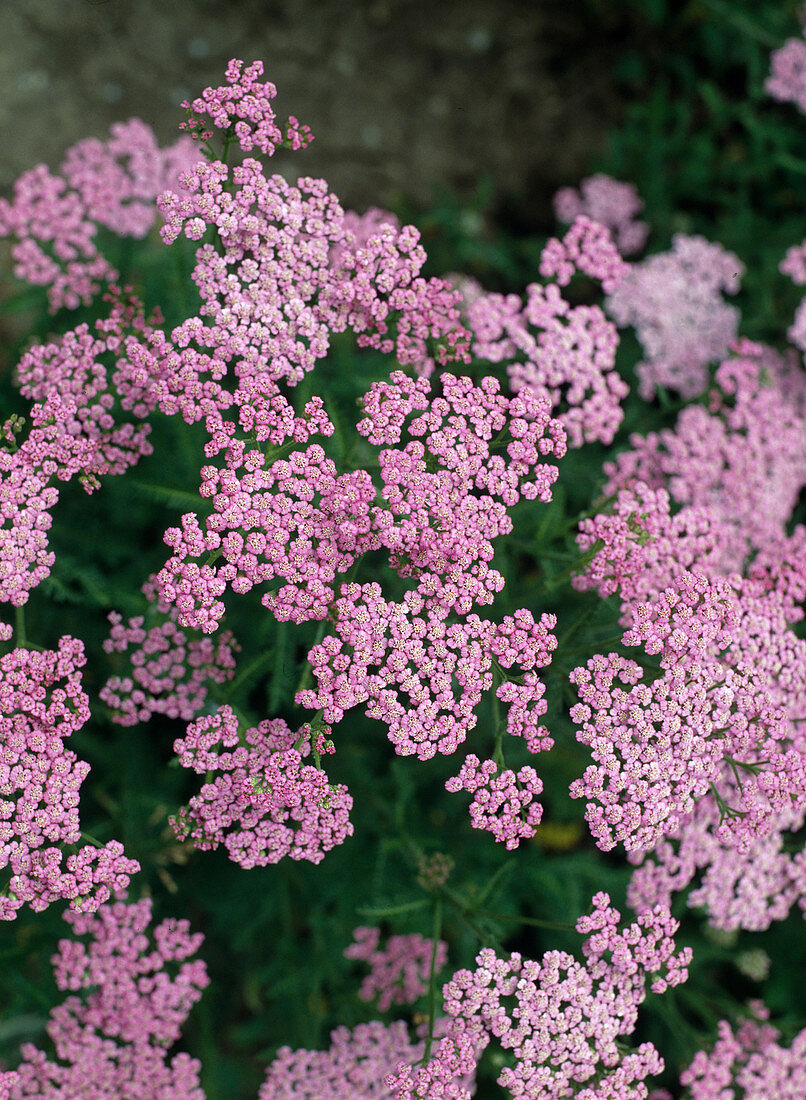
373 1061
73 366
117 180
751 887
794 262
369 657
242 108
290 270
54 218
170 672
273 295
266 804
41 704
265 526
9 1079
27 494
644 547
569 360
781 566
748 1061
674 302
80 428
742 458
112 1041
360 229
503 804
458 426
440 488
400 970
421 657
794 265
448 1074
352 1068
787 79
757 885
564 1020
610 203
430 515
703 728
587 247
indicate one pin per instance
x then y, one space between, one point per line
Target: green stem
307 672
595 646
432 979
467 914
555 926
741 23
89 837
794 164
576 565
259 662
19 623
280 650
500 728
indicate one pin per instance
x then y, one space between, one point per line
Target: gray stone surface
400 94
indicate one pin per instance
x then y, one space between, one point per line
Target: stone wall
400 94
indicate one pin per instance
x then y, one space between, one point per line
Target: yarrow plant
387 515
113 1040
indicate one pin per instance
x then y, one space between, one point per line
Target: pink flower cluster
587 247
502 804
449 1074
748 1061
170 671
117 180
440 488
432 719
274 294
564 1020
358 663
82 385
429 516
644 548
74 366
399 972
570 361
759 884
370 1062
359 229
112 1042
787 79
647 550
9 1079
674 302
794 265
242 108
54 218
704 727
611 204
266 804
352 1068
742 458
27 496
41 704
267 524
748 890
